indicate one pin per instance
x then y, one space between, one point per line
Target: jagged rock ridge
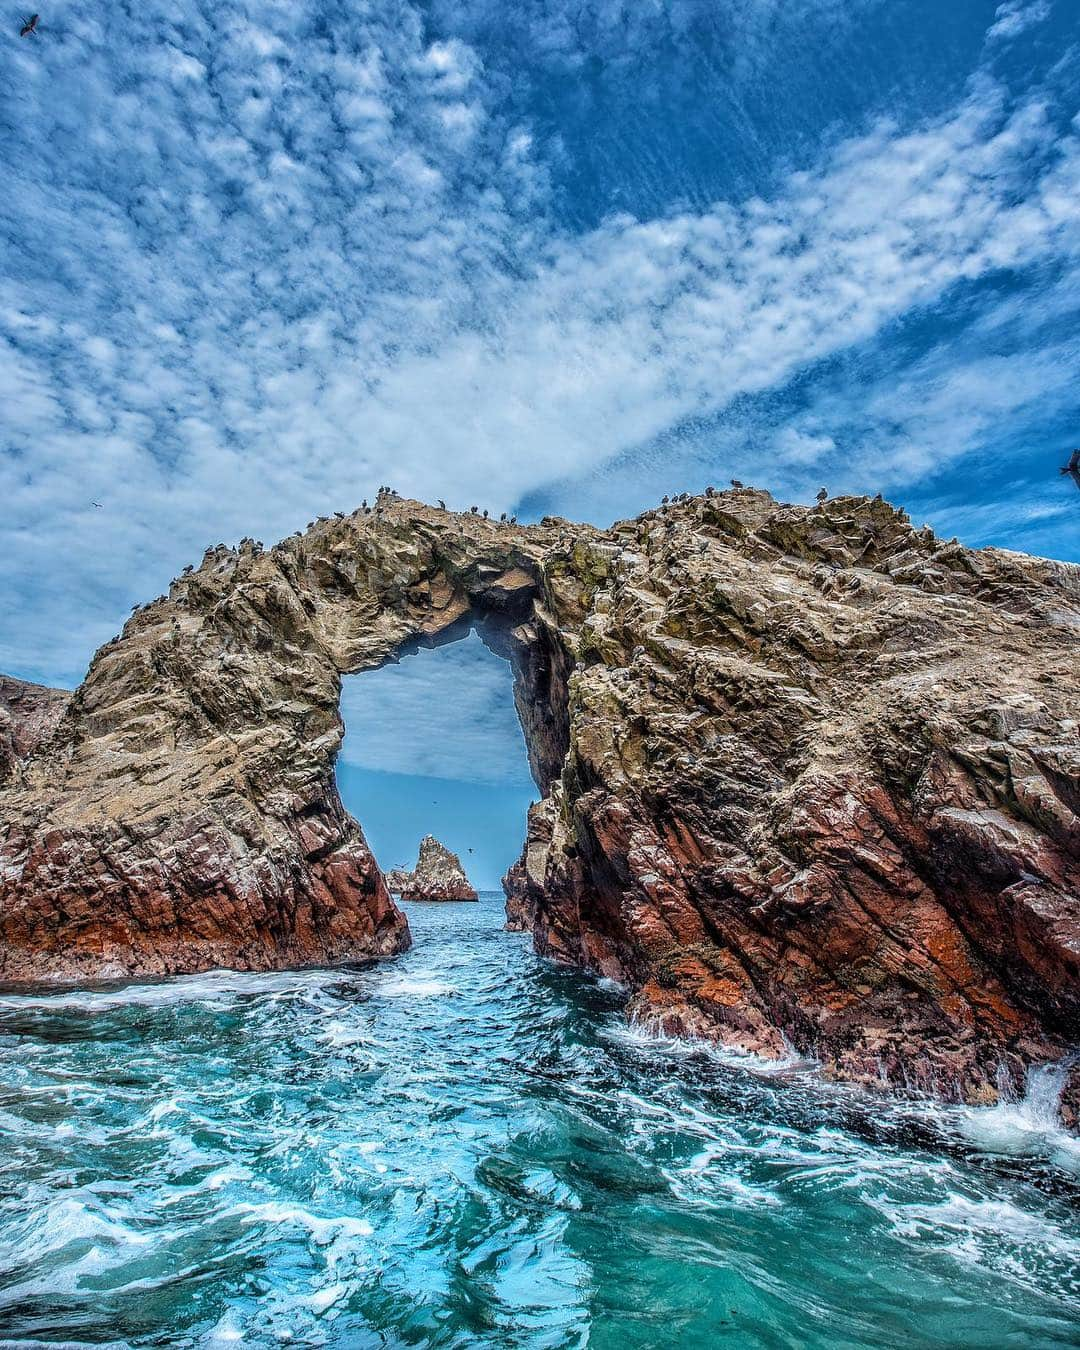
438 875
808 775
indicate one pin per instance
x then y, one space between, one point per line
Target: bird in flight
1073 467
29 28
97 504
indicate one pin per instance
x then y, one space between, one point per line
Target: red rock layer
29 714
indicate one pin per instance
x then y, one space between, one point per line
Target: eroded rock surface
28 716
396 878
821 791
438 875
808 776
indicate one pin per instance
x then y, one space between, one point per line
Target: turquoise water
467 1147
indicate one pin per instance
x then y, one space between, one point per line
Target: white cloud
1014 16
442 714
241 300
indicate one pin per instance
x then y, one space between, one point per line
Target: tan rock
438 875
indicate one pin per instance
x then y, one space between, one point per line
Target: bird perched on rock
442 505
503 516
1073 467
735 482
665 499
823 495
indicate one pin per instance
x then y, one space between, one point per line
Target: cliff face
439 875
808 775
821 791
28 716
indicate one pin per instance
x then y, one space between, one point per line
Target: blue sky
433 745
556 255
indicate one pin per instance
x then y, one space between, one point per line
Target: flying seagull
29 28
1073 467
97 504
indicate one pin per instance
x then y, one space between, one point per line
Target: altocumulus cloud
258 265
442 714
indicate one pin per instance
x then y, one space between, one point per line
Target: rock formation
439 875
396 879
808 776
28 715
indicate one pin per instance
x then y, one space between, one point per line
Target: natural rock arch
187 815
808 775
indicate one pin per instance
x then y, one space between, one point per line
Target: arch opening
433 745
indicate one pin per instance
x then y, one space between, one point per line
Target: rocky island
438 875
809 776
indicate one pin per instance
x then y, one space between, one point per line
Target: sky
433 746
550 256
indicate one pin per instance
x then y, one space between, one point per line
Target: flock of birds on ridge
1072 468
386 494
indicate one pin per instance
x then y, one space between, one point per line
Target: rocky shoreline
809 776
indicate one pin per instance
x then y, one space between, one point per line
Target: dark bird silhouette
29 28
442 505
97 504
1073 467
736 483
823 495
